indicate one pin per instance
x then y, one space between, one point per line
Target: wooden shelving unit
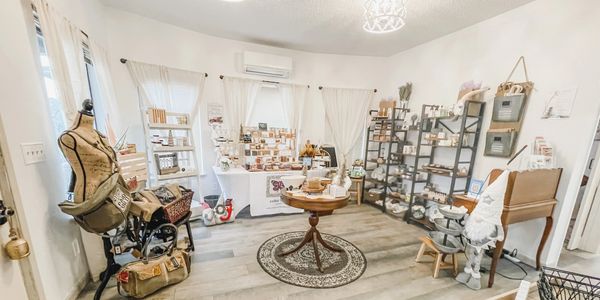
186 153
385 137
468 128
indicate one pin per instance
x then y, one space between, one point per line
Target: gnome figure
482 229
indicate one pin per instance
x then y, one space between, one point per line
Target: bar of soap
299 194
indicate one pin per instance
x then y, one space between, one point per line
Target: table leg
547 229
313 235
497 252
316 250
307 238
313 220
359 193
325 244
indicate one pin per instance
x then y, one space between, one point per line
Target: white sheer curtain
172 89
293 100
64 43
346 113
106 87
168 88
239 98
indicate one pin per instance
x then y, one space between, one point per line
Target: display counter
260 190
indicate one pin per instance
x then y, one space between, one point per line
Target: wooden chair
428 248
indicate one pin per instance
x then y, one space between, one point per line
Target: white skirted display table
260 190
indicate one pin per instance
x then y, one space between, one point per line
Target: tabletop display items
272 149
225 163
482 229
358 171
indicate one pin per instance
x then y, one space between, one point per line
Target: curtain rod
265 81
124 60
374 91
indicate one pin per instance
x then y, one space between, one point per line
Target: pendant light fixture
382 16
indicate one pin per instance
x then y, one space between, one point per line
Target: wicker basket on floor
555 284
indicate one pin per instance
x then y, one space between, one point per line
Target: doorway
16 281
586 213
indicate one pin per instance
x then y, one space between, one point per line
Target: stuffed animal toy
222 213
482 229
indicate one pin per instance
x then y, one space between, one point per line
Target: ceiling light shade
382 16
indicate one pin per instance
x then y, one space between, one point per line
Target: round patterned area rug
300 268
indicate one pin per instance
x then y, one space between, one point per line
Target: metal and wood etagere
468 127
385 137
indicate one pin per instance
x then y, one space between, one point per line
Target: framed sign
215 113
475 188
274 186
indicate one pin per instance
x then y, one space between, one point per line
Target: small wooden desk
529 195
316 208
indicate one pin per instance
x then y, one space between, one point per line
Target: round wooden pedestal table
315 207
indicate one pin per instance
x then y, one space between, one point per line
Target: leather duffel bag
141 278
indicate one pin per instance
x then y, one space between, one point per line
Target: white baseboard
74 293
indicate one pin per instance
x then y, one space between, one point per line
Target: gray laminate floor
224 264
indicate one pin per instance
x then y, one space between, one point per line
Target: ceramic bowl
293 182
448 226
452 244
453 212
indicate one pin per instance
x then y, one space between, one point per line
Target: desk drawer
513 214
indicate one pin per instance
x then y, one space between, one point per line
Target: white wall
146 40
559 40
58 272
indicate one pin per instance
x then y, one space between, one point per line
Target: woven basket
177 209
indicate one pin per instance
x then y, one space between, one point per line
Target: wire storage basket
557 284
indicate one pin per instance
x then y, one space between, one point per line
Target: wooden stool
438 257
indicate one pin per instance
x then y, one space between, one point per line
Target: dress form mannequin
88 153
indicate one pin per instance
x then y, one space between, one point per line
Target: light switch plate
33 153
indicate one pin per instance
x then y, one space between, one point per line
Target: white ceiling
324 26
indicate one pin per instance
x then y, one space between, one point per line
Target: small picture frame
307 161
262 126
475 188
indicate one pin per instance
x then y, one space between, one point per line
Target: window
55 106
268 108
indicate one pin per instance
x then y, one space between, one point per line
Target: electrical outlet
33 153
76 249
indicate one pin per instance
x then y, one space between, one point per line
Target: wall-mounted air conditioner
269 65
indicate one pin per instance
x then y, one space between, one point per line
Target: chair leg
455 264
420 253
436 265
